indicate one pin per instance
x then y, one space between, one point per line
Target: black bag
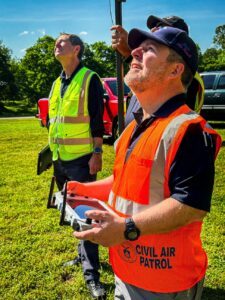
44 160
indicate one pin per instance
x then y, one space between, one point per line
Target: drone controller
73 207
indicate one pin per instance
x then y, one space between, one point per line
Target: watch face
132 235
98 150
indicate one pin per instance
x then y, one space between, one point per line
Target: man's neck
69 67
151 102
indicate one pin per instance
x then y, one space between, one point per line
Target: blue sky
23 22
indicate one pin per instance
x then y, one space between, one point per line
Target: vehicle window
221 83
208 81
113 87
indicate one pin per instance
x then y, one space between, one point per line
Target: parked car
42 114
110 116
214 100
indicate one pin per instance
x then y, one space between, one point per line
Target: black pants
78 170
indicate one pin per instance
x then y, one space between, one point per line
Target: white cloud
83 33
41 31
23 50
25 32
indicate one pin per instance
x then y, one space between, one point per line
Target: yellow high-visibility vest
69 131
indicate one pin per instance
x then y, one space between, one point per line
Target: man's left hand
95 163
108 231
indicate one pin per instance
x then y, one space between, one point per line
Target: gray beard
139 84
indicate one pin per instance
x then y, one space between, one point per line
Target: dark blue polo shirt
192 171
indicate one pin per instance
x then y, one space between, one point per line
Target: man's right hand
120 40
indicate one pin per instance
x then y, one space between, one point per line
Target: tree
40 69
20 75
214 58
200 58
209 60
219 38
8 89
100 58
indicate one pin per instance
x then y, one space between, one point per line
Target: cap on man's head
172 21
174 38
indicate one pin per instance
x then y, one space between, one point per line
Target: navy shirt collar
164 111
68 80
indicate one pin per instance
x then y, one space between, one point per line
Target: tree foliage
100 58
40 68
211 60
219 38
214 58
8 88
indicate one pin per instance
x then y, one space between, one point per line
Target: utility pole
119 70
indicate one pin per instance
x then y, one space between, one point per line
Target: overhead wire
110 11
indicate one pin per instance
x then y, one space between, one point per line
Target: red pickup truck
110 116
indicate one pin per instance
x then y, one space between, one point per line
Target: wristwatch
97 150
131 232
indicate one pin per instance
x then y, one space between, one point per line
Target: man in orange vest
162 180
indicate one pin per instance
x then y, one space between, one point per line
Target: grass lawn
34 246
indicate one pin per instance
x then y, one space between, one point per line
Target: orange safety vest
168 262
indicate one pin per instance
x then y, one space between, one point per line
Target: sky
22 22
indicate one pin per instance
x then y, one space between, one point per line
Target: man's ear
177 69
76 49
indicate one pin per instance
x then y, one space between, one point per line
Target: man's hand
120 40
108 232
95 163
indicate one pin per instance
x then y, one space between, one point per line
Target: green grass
17 108
34 247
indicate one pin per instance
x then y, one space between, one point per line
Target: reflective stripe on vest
75 120
169 262
69 133
76 141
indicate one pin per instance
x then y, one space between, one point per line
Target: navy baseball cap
172 37
172 21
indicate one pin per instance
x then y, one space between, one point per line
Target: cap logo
163 28
168 18
184 47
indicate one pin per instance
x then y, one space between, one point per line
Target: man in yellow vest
163 176
76 135
195 92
